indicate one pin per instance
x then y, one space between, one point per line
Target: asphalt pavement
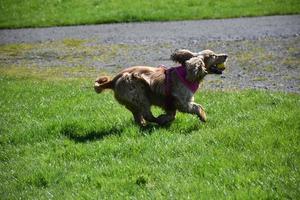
151 32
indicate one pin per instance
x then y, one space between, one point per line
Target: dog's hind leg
144 116
147 114
166 118
139 119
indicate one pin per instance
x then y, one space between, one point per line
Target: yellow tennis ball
221 66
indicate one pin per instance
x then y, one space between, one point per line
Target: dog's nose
225 56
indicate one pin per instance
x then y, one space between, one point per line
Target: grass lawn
60 140
37 13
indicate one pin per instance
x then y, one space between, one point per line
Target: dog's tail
102 83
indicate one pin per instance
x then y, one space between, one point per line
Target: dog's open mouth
218 68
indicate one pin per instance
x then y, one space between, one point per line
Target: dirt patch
264 52
269 63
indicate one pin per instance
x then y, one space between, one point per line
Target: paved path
151 32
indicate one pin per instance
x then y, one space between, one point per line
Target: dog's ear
195 68
182 55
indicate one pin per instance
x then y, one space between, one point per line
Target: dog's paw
202 114
97 87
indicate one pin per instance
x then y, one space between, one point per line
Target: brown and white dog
140 87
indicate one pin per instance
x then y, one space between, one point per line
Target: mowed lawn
39 13
60 140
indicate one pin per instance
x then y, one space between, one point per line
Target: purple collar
181 73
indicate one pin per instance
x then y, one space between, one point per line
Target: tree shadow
81 135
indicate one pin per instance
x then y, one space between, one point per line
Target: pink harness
181 73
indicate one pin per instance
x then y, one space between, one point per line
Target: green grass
37 13
60 140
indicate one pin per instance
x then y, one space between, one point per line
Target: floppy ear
195 69
182 55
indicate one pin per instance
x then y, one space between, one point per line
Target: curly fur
140 87
182 55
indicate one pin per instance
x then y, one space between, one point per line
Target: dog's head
195 69
211 62
214 63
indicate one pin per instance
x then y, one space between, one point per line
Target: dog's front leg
192 108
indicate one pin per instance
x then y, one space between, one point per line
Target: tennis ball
221 66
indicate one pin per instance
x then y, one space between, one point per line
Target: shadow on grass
151 127
178 126
79 134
